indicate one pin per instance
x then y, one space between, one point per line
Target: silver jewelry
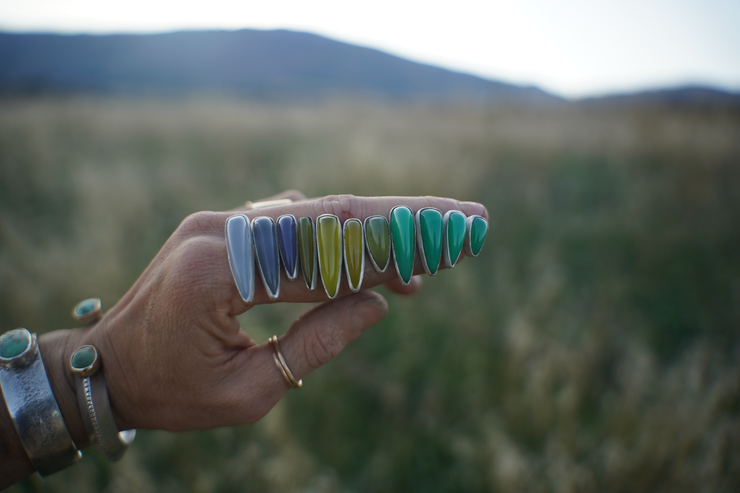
31 404
354 253
88 311
240 251
97 416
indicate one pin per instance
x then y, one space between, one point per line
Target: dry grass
592 347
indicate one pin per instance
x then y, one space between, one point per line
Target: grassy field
593 346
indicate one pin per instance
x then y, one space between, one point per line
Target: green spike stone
403 241
378 241
354 253
329 245
455 228
477 232
307 251
429 231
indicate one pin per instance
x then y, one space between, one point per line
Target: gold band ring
282 365
266 203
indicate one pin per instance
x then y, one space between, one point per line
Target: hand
173 353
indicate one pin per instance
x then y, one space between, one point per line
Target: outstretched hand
174 355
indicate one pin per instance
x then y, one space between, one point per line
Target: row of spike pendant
321 249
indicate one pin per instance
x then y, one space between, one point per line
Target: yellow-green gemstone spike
329 243
354 253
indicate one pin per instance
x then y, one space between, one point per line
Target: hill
247 63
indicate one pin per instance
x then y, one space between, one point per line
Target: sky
573 48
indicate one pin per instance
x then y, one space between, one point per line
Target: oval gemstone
84 307
307 250
429 224
84 357
354 253
378 240
14 342
403 241
329 243
455 229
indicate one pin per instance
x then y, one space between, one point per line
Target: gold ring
263 204
282 365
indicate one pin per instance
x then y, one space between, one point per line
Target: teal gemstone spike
429 236
455 227
403 241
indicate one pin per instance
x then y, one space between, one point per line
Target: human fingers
396 286
344 207
255 381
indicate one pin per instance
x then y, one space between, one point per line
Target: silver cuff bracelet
32 405
97 415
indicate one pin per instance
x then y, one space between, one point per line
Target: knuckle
344 206
321 349
198 222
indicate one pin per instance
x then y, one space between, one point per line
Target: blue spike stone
268 258
287 229
241 255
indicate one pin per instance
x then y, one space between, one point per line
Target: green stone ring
88 311
85 361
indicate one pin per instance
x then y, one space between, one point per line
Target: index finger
344 207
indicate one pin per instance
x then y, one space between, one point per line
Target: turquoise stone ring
403 241
429 237
476 235
455 227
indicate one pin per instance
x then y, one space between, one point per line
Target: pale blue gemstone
241 255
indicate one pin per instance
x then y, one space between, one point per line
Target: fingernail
470 208
369 311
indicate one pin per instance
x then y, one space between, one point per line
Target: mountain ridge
251 63
274 65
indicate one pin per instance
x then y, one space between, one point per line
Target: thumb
313 340
322 332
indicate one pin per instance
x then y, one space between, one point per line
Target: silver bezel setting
292 276
449 263
341 253
420 241
469 232
249 245
354 289
393 244
90 317
312 286
26 356
390 240
272 295
90 369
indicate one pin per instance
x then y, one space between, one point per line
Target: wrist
56 349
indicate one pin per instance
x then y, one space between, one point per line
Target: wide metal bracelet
33 408
97 415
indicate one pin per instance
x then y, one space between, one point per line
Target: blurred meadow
593 346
